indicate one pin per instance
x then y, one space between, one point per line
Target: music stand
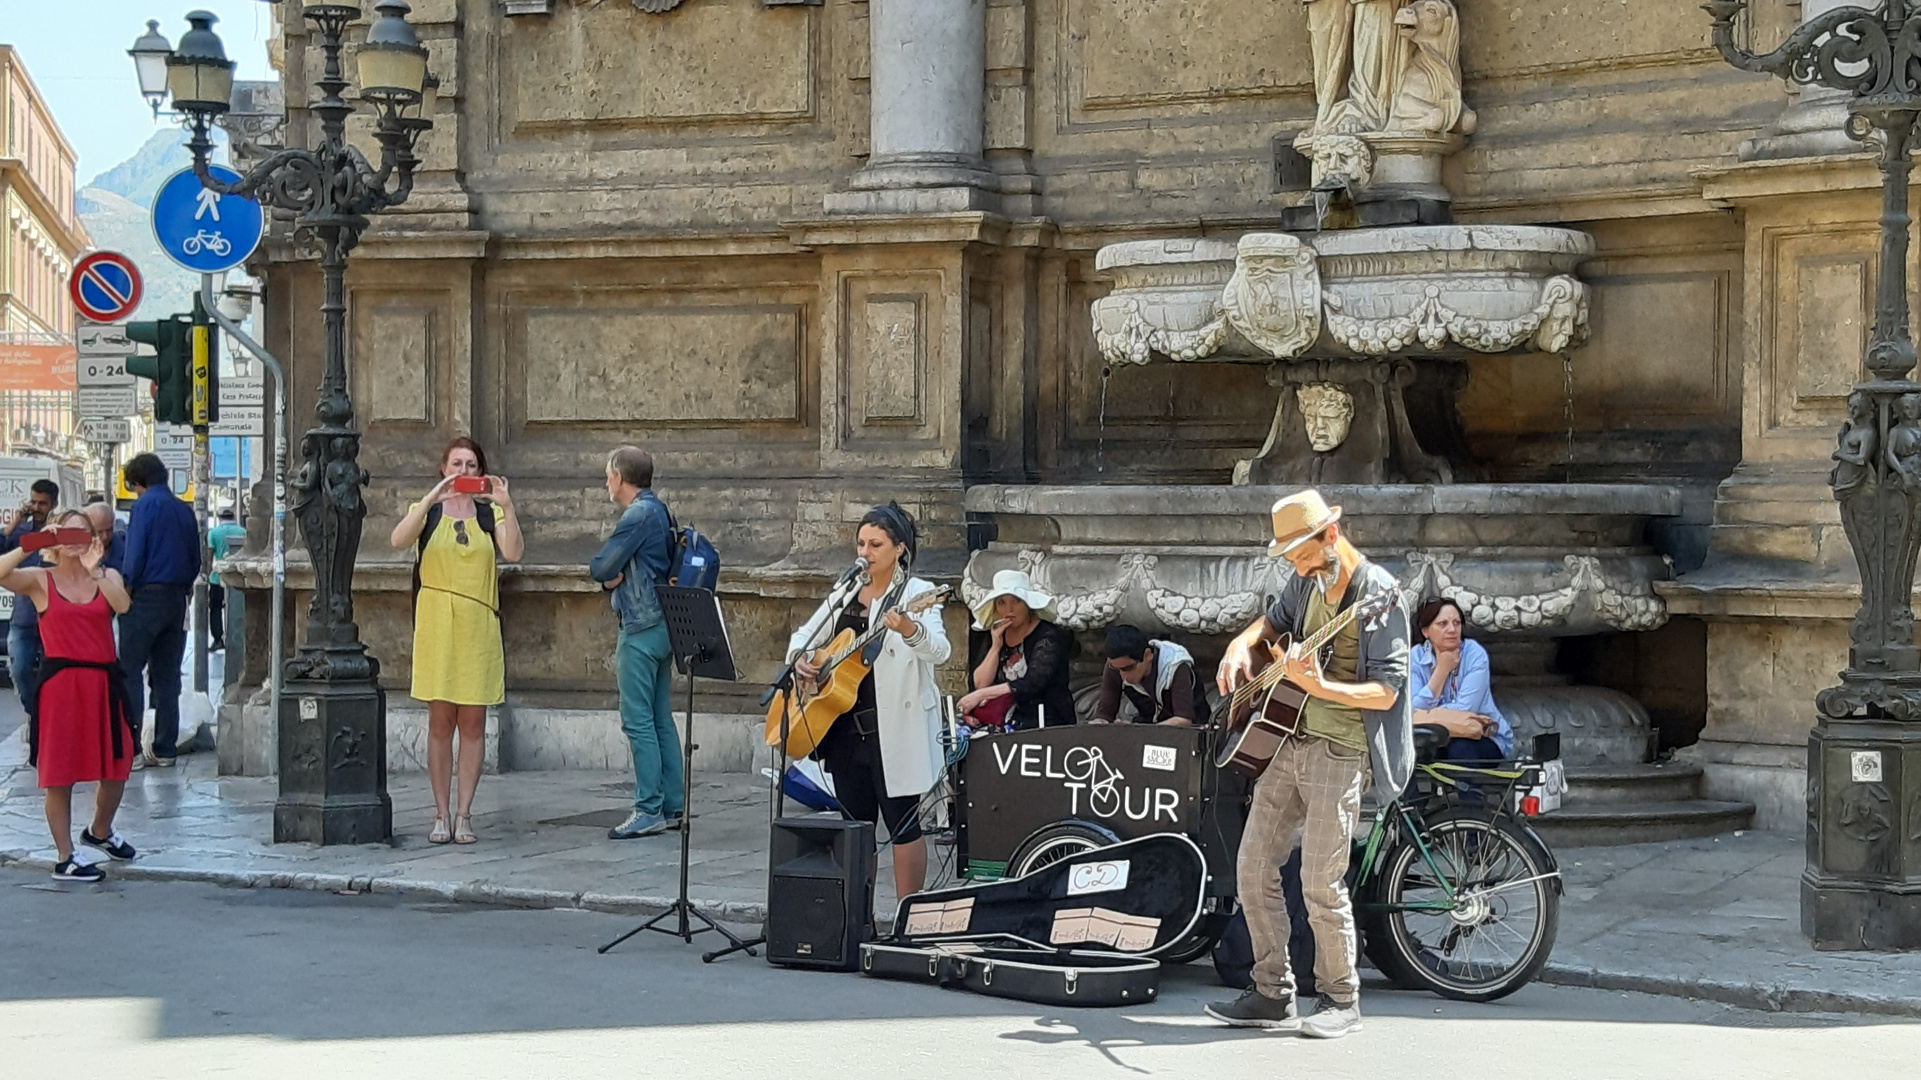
698 637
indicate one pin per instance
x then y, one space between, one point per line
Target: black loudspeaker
820 892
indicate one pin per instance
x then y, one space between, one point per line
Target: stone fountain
1363 302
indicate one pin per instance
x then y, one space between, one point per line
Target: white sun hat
1017 584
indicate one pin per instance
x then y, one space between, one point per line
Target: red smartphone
42 540
473 485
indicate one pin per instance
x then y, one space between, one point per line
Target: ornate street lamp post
333 724
1862 887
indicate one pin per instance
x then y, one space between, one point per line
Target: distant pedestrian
162 564
631 562
459 667
23 632
223 539
108 527
84 730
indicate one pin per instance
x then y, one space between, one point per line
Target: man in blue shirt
630 563
23 632
162 564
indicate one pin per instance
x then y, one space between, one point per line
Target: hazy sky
76 51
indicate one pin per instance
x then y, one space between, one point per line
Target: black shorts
851 753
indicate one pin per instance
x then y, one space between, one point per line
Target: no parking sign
105 287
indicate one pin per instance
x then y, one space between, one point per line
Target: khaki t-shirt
1340 724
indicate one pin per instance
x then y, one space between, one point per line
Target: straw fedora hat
1017 584
1298 518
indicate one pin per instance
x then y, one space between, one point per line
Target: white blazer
906 696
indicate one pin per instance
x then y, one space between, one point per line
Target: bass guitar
1266 711
809 710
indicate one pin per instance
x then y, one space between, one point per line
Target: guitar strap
886 602
1348 599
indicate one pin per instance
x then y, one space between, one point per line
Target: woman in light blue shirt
1449 676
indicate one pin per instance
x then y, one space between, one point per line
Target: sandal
464 829
440 833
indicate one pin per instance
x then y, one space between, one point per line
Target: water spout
1100 442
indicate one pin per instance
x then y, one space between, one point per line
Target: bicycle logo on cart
1093 786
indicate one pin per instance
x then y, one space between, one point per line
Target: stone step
1606 825
1631 785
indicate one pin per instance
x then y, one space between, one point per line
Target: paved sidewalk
1716 919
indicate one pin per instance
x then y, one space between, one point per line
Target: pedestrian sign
105 286
203 230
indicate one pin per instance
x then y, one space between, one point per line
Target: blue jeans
153 640
646 714
23 659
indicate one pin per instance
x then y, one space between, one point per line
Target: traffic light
172 339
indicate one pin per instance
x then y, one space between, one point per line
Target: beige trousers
1315 786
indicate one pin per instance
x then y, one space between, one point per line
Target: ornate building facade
40 237
818 255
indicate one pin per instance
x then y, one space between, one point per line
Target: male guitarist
1356 710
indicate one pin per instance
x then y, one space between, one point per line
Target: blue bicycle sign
202 230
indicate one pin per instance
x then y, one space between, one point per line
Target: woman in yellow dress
458 666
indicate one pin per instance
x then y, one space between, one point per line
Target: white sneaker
1331 1020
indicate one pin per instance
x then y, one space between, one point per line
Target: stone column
928 72
1811 126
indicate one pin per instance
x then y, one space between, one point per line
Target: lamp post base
333 764
1862 887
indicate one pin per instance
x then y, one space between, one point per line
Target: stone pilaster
927 63
1811 126
1780 583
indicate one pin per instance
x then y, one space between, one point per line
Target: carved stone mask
1327 411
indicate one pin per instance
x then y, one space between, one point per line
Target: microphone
854 571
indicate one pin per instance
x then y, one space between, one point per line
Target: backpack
483 517
692 561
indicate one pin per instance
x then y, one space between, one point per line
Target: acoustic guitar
843 664
1267 710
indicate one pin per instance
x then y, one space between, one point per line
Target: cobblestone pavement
1716 919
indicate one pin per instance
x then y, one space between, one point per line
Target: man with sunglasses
1153 680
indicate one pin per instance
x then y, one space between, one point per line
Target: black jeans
153 640
217 614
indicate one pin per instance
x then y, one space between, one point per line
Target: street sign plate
173 443
243 406
106 431
204 231
108 402
105 339
105 286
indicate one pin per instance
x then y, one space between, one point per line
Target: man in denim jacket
629 564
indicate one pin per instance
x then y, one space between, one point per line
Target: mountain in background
117 205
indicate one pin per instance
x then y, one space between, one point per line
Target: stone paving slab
1714 918
1717 918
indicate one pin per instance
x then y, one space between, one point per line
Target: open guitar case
1082 931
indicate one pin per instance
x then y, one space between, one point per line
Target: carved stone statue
1387 96
1427 99
1327 411
1358 56
1855 455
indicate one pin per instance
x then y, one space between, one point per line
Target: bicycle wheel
1495 934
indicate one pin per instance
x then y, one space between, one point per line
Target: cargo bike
1454 891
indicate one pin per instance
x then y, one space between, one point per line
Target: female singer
884 754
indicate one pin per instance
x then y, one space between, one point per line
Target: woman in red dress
80 730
